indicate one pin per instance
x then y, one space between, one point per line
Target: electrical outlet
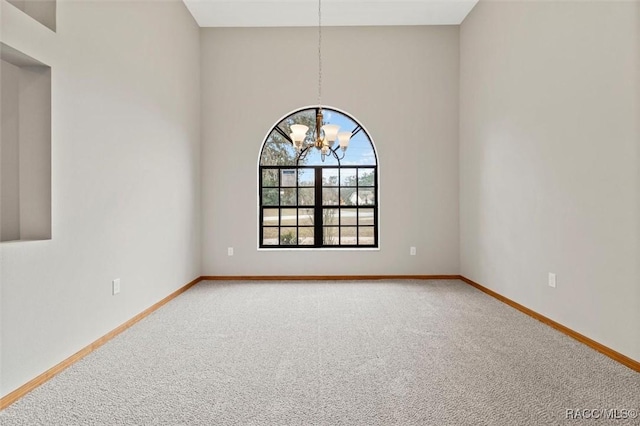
412 251
552 280
115 286
230 251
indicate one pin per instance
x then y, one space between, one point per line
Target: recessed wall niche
25 147
43 11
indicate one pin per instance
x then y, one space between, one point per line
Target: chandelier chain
320 53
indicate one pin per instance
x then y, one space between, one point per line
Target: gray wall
26 149
401 83
125 178
9 152
549 161
35 153
43 11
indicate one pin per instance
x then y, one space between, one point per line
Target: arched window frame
356 225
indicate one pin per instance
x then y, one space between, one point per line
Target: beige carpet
335 353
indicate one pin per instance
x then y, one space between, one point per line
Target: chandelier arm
335 151
335 154
303 154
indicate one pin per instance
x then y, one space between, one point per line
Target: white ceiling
302 13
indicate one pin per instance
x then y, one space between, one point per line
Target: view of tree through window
307 201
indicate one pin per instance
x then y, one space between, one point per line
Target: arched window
318 198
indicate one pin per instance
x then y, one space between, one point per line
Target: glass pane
288 217
306 117
305 236
366 197
270 236
329 217
330 235
348 235
329 177
288 177
305 217
365 236
269 177
365 217
269 196
306 177
348 217
348 177
348 197
270 217
329 196
366 177
306 196
278 151
360 151
288 236
288 197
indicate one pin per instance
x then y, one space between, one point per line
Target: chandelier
324 136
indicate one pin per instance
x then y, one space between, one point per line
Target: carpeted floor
334 353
